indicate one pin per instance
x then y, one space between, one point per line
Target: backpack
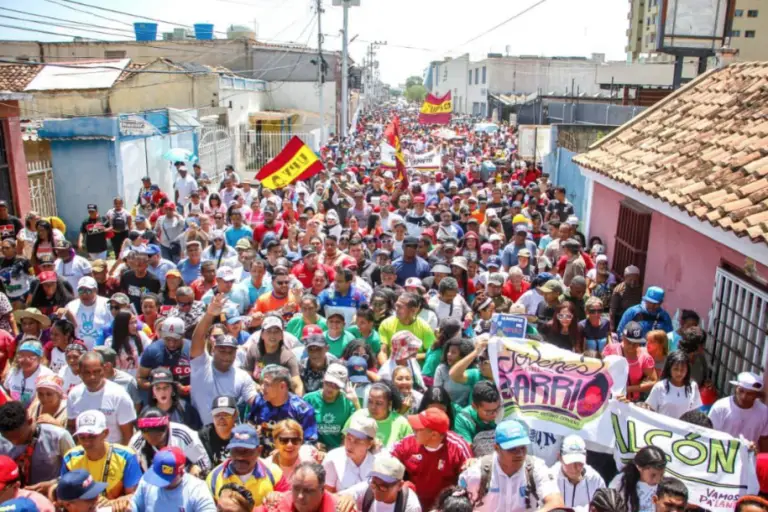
400 502
486 467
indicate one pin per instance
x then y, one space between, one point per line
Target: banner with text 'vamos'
555 390
716 468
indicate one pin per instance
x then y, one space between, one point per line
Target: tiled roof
703 149
16 77
129 70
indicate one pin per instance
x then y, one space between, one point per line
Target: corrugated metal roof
86 75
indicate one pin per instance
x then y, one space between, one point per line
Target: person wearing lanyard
113 464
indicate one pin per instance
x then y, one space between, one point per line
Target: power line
65 20
70 27
88 12
278 59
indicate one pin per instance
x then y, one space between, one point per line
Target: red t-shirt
431 472
260 230
513 294
305 275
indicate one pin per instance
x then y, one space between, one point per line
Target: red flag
296 161
392 136
436 110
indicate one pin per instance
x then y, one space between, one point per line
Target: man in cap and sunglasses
743 413
384 489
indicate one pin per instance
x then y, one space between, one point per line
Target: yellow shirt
264 479
124 470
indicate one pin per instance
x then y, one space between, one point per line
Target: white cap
362 426
225 273
601 257
413 282
494 238
91 422
172 328
632 270
87 282
573 450
388 174
388 468
337 374
749 381
271 321
573 220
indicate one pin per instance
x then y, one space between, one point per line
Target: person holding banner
642 373
639 479
578 482
743 414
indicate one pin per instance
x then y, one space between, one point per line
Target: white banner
716 468
426 161
388 156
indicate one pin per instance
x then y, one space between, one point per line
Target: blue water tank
145 31
203 31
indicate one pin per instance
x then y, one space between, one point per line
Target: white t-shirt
675 402
579 496
357 491
531 300
185 186
208 383
91 320
70 379
112 400
24 389
751 423
645 493
58 359
508 492
341 473
73 270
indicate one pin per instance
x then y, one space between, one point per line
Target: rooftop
703 149
16 77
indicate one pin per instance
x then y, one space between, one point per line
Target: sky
416 31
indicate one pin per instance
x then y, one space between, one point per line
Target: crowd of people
225 346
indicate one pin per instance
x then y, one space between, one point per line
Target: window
749 33
477 72
470 77
752 13
632 234
483 74
114 54
735 33
738 13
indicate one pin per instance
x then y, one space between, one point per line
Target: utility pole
373 63
320 68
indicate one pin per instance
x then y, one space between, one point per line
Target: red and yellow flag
392 136
436 110
296 161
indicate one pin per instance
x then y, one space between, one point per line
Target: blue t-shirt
233 234
189 272
417 268
509 255
192 495
331 301
648 321
156 355
266 415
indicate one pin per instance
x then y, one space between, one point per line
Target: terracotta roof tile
16 77
703 149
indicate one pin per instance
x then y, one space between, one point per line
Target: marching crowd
225 346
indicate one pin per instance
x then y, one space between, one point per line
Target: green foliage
416 93
413 80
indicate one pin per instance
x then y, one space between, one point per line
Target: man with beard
305 270
270 225
135 283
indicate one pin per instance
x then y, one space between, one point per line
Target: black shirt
215 447
134 287
561 210
95 234
10 227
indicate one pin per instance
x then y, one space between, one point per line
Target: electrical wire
88 12
48 23
278 59
65 20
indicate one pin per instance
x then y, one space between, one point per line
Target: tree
413 80
395 93
416 93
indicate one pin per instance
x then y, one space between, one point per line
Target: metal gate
42 193
738 328
633 232
215 151
259 147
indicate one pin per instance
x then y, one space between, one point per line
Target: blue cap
31 346
19 505
232 315
78 485
493 261
511 434
153 249
140 218
167 464
654 295
244 436
357 367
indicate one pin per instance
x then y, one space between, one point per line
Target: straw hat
34 314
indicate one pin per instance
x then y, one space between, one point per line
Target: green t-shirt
431 361
374 340
336 347
468 425
394 428
330 417
473 377
419 328
296 324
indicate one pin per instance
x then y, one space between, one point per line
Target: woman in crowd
657 347
454 499
51 294
150 312
15 274
70 374
7 321
470 247
214 205
173 282
382 304
44 242
320 281
307 316
360 348
404 345
595 330
62 334
455 350
352 463
608 500
483 308
402 378
290 449
235 498
364 329
563 330
642 374
219 251
33 324
164 394
28 234
449 329
50 404
384 401
21 381
127 341
675 394
440 399
638 480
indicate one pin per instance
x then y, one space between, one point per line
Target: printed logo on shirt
6 230
440 465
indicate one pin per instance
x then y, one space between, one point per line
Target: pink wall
680 260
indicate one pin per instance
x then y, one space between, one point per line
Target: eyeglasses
564 316
184 304
381 486
85 291
290 440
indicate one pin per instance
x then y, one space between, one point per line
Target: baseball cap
410 240
357 367
244 436
496 278
387 468
633 331
31 346
440 268
98 265
573 450
91 422
413 282
337 374
120 299
225 404
553 285
632 270
431 418
9 471
78 485
48 276
93 208
270 322
362 426
172 328
225 340
232 315
167 464
226 273
419 198
160 375
87 282
511 434
654 295
152 249
749 381
493 261
20 504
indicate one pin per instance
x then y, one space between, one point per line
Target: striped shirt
180 436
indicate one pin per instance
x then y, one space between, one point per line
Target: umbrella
180 155
486 127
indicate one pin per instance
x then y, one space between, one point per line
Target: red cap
309 330
9 471
431 418
349 263
49 276
169 204
376 209
419 198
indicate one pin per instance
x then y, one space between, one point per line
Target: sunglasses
595 311
184 304
565 316
85 291
282 283
290 440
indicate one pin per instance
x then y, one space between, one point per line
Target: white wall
527 76
243 102
452 76
642 73
304 96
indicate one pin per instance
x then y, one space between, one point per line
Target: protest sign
509 326
430 161
555 390
716 468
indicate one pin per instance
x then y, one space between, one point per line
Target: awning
269 116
